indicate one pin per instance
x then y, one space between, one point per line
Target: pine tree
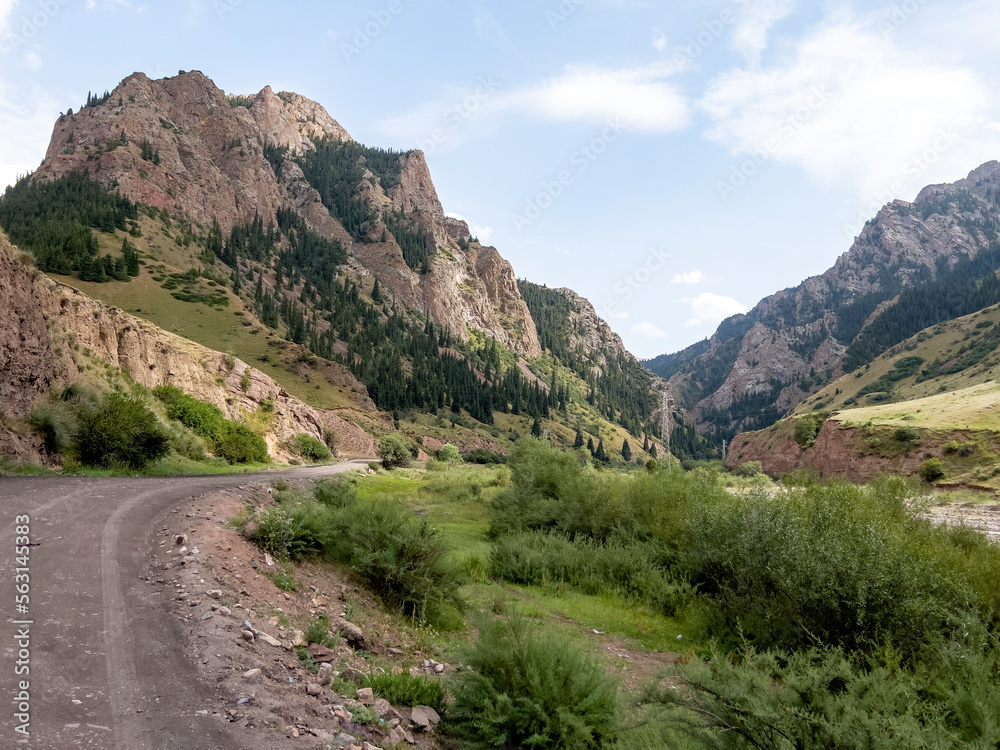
600 454
645 443
652 449
626 451
376 293
536 428
131 257
578 440
590 445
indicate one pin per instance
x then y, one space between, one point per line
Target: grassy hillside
948 357
204 309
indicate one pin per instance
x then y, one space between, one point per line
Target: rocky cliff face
759 365
210 165
52 335
589 332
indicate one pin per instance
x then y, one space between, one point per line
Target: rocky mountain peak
182 145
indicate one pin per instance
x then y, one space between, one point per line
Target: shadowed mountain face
913 265
182 145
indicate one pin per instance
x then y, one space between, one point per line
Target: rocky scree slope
236 159
758 366
51 334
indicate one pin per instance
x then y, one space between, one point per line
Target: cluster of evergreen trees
55 222
621 392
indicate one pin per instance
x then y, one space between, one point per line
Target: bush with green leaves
908 436
121 431
932 469
806 429
400 558
839 564
394 450
408 690
636 570
55 422
232 441
449 454
238 444
337 492
824 698
310 448
531 689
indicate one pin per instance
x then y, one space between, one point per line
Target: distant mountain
912 266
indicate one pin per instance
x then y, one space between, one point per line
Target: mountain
182 145
256 226
912 265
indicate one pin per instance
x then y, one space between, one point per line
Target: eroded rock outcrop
51 334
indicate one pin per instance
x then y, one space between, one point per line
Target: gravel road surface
102 657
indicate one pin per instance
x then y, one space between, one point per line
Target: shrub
532 690
394 451
749 469
271 530
823 698
238 444
401 559
932 470
806 430
847 566
480 456
206 420
449 454
908 436
310 448
55 423
408 690
338 492
318 631
120 432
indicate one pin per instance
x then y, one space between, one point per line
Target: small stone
181 539
396 651
207 616
299 638
247 636
439 668
269 640
313 689
321 654
325 673
350 631
343 740
366 696
253 564
214 593
425 718
269 560
385 710
252 673
225 611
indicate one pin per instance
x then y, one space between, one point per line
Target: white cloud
647 330
6 8
753 22
642 97
480 231
689 277
32 61
852 108
712 308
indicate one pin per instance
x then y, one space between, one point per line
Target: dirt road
104 662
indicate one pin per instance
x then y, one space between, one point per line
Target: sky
674 161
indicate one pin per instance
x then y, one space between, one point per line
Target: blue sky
673 161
